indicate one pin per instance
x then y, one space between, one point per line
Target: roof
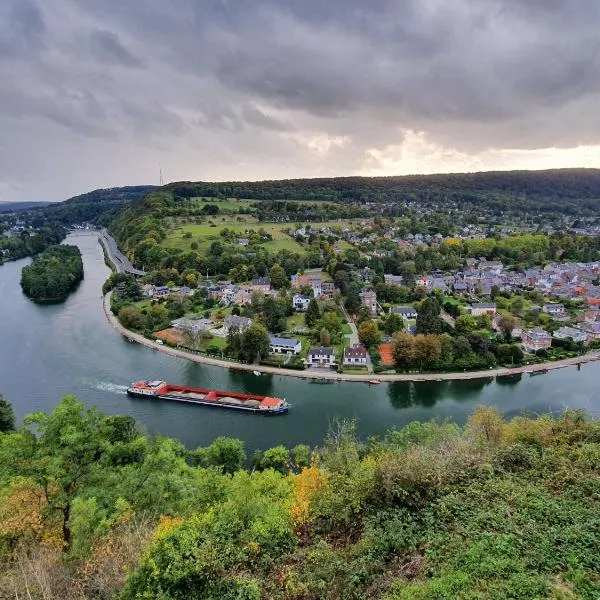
404 310
356 351
320 351
261 281
483 305
278 341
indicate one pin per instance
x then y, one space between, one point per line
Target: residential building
261 284
194 325
555 310
565 333
234 321
369 299
279 345
300 302
408 312
320 357
355 355
161 291
536 339
483 308
328 290
393 279
592 330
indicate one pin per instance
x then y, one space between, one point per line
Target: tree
465 324
277 458
369 334
393 323
461 347
324 337
227 453
403 350
7 415
313 314
507 324
234 341
427 349
60 452
278 276
330 321
254 342
428 318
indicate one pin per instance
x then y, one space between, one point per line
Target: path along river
47 351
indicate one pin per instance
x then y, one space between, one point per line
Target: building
328 290
161 291
565 333
234 321
194 325
369 299
393 279
592 330
555 310
300 302
460 287
261 284
535 339
408 312
279 345
483 308
355 355
320 357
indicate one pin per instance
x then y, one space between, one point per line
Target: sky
103 93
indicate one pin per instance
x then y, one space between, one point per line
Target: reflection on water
403 394
466 390
510 379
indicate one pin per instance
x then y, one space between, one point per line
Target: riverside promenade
333 376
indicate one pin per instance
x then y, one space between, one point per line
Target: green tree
461 347
393 323
313 314
254 342
428 317
465 324
59 452
278 276
369 334
330 321
7 415
277 458
227 453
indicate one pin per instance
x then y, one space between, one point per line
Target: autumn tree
369 334
507 325
427 349
403 350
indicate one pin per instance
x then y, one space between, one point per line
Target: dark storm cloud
258 88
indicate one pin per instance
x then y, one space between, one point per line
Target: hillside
18 206
93 508
97 206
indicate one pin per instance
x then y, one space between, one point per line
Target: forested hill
14 206
98 206
532 186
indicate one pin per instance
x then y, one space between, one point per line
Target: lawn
295 320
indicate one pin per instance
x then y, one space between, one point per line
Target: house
261 284
148 290
483 308
161 291
408 312
367 275
592 330
243 241
393 279
320 357
535 339
565 333
194 325
300 302
243 296
279 345
369 299
234 321
555 310
355 355
328 290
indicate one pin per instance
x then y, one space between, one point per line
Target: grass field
206 233
231 204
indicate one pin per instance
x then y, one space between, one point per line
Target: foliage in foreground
90 507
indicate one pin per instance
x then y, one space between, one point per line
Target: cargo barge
233 400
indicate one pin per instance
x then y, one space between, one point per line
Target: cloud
251 89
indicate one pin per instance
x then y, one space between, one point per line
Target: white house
300 302
234 321
320 357
279 345
483 308
355 355
408 312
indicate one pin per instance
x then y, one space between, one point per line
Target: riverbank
333 376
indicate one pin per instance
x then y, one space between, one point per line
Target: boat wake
106 386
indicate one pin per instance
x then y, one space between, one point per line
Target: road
332 375
116 257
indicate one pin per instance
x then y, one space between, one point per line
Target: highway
116 257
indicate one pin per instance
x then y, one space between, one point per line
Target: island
53 274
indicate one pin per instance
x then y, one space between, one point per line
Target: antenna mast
160 174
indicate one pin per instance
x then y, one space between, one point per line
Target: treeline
568 191
91 507
53 274
29 243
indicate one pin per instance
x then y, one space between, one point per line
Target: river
47 351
